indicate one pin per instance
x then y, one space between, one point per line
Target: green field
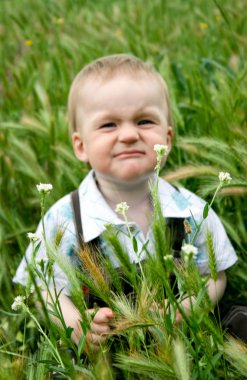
200 48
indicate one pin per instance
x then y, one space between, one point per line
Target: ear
79 147
169 138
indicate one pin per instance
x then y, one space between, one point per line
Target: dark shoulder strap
77 215
176 228
89 297
77 220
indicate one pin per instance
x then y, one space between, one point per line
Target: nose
128 133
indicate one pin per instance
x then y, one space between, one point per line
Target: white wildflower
33 237
18 303
44 188
121 208
224 178
189 249
161 150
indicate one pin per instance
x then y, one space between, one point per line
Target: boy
118 110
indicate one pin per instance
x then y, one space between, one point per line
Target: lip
129 154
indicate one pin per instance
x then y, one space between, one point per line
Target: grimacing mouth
131 152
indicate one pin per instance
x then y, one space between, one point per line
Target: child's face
120 121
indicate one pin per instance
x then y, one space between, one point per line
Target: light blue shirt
96 213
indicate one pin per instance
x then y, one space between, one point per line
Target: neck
136 194
133 193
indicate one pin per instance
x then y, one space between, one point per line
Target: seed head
168 258
187 227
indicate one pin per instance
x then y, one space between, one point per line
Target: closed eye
145 122
108 125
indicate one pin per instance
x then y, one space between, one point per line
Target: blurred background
200 48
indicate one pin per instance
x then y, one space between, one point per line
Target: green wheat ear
211 256
94 273
236 353
59 234
145 366
181 361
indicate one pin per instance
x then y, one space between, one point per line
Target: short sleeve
59 233
224 252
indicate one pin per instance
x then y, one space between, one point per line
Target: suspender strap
78 223
90 298
77 216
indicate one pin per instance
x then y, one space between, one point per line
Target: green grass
199 47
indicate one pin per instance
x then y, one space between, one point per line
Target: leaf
205 211
69 331
134 244
168 322
81 344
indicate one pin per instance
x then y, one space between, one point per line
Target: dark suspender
77 216
78 223
90 298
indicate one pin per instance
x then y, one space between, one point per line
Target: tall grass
199 48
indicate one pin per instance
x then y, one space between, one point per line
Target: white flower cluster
161 150
18 303
189 249
121 208
224 178
44 188
33 237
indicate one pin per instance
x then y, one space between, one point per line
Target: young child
118 110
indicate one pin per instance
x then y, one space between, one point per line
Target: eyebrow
142 111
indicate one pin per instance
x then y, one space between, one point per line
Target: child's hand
99 326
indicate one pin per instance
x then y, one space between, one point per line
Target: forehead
122 88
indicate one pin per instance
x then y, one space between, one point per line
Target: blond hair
105 68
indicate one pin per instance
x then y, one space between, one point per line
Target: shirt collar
95 212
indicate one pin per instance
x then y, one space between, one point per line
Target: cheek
98 154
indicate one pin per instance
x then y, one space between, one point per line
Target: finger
99 329
103 315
